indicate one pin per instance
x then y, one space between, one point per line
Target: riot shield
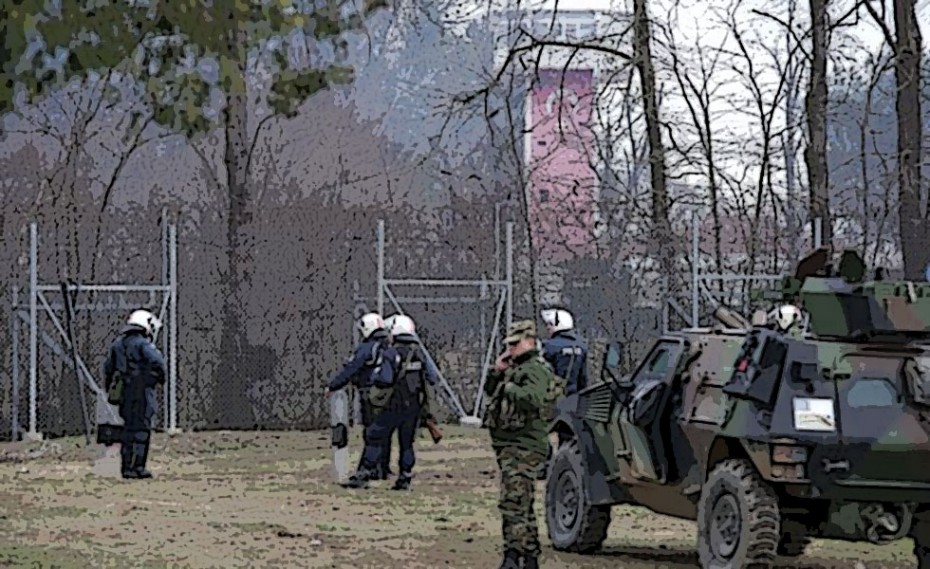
339 423
109 423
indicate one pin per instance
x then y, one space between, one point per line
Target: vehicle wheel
793 540
573 523
738 518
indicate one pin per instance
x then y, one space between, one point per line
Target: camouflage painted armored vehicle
765 437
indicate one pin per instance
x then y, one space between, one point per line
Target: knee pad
340 436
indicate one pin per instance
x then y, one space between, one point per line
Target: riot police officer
567 353
565 350
401 405
132 371
368 355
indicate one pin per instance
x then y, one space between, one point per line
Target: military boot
125 453
358 480
403 481
530 561
511 560
140 453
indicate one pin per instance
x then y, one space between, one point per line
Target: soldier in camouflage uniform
519 389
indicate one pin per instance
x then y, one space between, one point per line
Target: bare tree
815 104
907 45
642 49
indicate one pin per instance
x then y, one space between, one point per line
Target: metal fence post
33 327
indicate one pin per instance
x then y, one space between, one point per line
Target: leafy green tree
189 54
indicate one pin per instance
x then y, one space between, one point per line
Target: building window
543 196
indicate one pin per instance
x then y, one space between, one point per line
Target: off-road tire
755 524
587 529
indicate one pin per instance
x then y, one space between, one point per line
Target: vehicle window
659 362
613 356
872 392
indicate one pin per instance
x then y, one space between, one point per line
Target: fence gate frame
37 299
504 308
699 281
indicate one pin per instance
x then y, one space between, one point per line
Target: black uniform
139 366
401 413
358 372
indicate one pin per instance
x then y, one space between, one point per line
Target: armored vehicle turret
811 420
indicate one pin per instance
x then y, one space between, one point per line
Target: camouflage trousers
519 471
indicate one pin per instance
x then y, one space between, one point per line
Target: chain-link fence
294 307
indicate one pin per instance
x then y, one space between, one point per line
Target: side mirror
614 355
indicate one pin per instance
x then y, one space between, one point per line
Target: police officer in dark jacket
400 405
565 350
132 371
567 353
358 372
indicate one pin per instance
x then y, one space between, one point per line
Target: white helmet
787 316
558 319
370 322
389 322
145 320
402 324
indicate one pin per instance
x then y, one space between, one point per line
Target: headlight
787 454
814 414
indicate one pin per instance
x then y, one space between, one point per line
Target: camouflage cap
520 330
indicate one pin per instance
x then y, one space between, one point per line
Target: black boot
403 481
140 452
125 453
530 561
511 560
359 479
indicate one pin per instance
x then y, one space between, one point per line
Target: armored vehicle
766 436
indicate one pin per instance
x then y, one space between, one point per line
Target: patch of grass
258 527
52 557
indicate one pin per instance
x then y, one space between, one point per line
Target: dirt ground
267 499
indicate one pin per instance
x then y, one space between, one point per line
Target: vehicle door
644 419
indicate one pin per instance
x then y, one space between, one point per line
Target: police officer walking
401 405
132 371
518 388
368 355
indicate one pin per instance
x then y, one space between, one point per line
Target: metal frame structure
37 298
504 306
699 281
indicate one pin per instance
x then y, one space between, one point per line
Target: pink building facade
561 158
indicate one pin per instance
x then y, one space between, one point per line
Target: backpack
413 378
382 369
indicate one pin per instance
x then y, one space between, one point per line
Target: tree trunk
815 155
231 406
792 228
661 228
915 245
